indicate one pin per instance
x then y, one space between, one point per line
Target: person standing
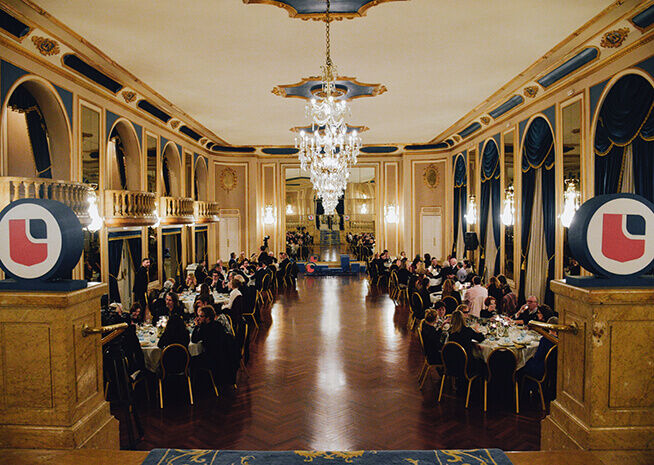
141 280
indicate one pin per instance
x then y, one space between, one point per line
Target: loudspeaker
471 241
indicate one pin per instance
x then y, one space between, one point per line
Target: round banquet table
189 299
527 344
152 352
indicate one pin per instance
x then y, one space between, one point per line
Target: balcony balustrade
129 208
206 212
176 210
73 194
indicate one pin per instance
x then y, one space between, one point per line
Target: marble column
51 384
605 384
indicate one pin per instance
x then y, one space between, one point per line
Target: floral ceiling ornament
228 179
46 46
129 96
615 38
431 176
175 124
485 119
530 91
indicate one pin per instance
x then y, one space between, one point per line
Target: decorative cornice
614 38
530 91
128 96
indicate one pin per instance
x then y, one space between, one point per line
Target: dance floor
334 368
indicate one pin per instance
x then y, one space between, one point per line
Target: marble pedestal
605 383
51 393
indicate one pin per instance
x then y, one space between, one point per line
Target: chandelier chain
328 60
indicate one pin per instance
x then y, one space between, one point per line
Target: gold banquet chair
175 361
426 366
550 371
455 361
415 304
502 361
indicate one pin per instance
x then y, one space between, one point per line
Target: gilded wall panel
85 360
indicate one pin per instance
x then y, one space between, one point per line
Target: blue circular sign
613 235
43 239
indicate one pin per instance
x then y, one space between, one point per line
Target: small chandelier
94 214
509 209
328 152
471 215
391 214
571 201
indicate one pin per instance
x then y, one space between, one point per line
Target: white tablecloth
527 349
189 299
152 353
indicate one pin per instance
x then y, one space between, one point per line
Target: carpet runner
394 457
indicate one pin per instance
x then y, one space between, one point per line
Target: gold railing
73 194
176 210
129 208
206 212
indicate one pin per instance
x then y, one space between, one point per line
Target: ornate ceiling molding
347 88
344 9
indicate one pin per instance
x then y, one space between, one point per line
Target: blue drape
22 101
120 158
134 244
459 198
538 151
497 231
626 117
166 176
490 174
115 254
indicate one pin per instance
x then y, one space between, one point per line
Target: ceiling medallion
228 179
46 46
358 129
530 91
431 176
343 88
129 96
306 10
615 38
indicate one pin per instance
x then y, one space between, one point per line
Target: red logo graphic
21 249
615 244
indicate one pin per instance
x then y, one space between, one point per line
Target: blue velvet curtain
134 244
538 151
120 157
22 101
626 117
115 254
166 176
490 173
495 209
459 198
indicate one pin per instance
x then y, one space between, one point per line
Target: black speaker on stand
471 243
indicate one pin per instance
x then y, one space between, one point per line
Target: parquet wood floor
334 368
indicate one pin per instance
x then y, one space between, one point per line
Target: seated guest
495 291
528 311
136 314
173 306
403 274
427 259
221 353
200 272
449 269
175 332
260 272
509 300
490 308
419 313
168 286
449 291
205 295
545 312
191 283
464 335
475 296
232 260
233 307
461 273
535 366
433 337
394 266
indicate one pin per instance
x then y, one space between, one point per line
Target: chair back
550 364
393 278
265 282
231 324
450 304
502 364
416 303
455 360
422 342
174 360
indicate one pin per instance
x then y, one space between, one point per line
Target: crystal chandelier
571 201
509 209
328 152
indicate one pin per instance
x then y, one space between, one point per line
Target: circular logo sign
310 267
613 235
41 239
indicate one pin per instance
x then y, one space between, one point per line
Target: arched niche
37 131
171 171
200 181
123 157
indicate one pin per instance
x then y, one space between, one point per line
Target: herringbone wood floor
334 368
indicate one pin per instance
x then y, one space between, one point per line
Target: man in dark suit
262 270
220 353
284 261
201 272
141 280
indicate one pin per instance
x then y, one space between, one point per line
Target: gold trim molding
128 96
292 12
45 46
280 90
614 38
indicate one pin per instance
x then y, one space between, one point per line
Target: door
228 233
431 236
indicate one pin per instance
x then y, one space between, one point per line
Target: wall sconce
94 214
471 215
509 209
364 209
571 201
289 209
392 214
269 215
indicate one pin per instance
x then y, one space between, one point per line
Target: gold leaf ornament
228 179
46 46
431 176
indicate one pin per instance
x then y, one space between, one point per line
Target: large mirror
509 150
151 157
571 117
90 143
306 220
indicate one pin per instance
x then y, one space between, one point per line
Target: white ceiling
218 60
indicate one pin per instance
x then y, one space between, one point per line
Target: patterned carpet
396 457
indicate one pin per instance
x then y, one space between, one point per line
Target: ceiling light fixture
328 152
